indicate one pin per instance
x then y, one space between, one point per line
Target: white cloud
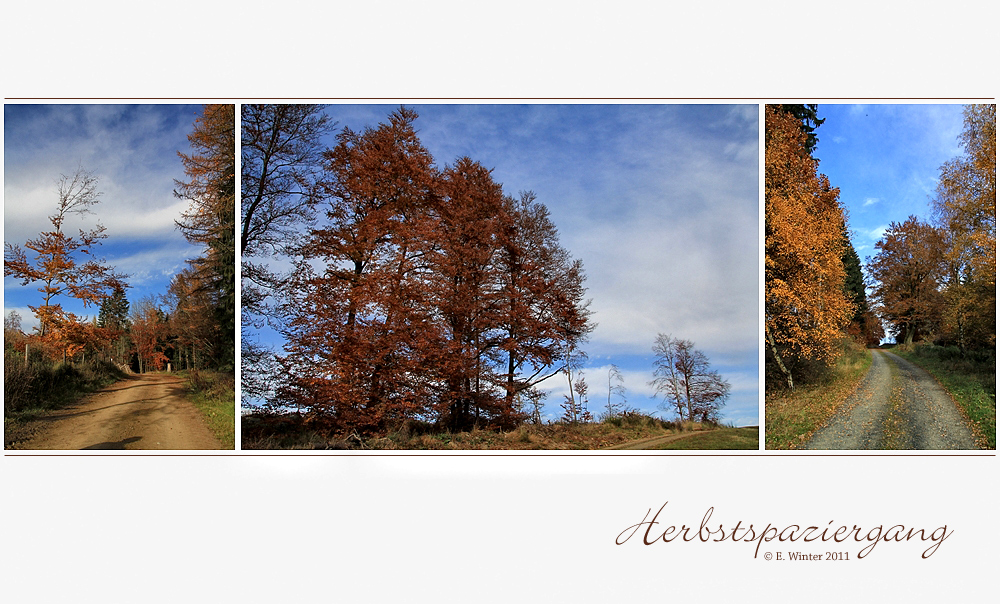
877 233
154 263
870 201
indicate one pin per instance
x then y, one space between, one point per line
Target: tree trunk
777 357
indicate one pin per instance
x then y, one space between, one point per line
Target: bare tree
688 385
616 388
281 156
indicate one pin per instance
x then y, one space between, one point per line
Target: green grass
971 381
722 438
790 416
214 394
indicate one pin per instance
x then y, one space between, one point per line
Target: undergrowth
33 388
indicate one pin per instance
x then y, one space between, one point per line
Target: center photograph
474 276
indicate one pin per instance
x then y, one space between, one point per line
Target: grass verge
291 431
721 439
791 416
970 379
214 394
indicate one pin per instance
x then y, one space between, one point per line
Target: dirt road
142 412
897 406
649 443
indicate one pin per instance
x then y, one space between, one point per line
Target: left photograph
119 277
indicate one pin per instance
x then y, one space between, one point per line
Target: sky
132 150
660 202
886 160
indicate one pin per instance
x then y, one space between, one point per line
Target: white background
288 527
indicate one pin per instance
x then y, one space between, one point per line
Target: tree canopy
806 305
965 209
424 292
907 272
210 219
688 384
65 265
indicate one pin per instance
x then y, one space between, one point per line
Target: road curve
148 411
897 406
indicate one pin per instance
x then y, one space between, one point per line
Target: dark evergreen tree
810 121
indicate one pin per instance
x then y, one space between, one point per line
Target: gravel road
897 406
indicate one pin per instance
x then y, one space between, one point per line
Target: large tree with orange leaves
907 272
425 293
65 266
359 325
806 309
965 208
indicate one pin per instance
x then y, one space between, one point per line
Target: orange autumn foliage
965 208
65 266
806 309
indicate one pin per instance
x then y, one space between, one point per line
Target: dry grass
791 416
296 432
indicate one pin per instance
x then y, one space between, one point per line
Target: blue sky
886 159
132 149
659 201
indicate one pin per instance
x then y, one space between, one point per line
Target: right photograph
880 276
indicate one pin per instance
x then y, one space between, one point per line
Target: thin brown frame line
693 98
448 454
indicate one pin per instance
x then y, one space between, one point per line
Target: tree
425 293
359 329
281 158
907 272
575 403
965 208
536 398
865 327
463 279
543 311
148 331
684 378
808 122
112 317
192 322
616 389
210 219
66 266
805 306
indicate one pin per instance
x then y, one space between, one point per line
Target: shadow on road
113 445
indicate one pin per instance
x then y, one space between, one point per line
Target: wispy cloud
877 233
132 150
